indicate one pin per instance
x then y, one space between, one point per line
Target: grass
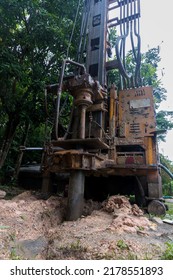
168 254
122 245
14 255
74 250
170 208
77 246
169 212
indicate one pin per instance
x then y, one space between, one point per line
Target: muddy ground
35 228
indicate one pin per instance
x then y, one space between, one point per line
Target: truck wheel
157 207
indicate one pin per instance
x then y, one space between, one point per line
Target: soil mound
126 217
35 228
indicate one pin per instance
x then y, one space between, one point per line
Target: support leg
75 195
155 206
154 185
46 183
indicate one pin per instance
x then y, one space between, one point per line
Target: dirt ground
35 228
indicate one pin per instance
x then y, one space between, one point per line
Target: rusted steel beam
112 111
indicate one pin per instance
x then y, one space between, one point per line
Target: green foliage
34 36
166 181
164 122
169 212
32 47
168 254
113 36
14 255
149 69
170 209
167 187
122 245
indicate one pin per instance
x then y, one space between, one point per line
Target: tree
166 182
149 72
34 36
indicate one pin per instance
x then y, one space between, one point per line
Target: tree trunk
8 137
19 160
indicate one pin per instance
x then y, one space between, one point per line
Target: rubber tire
157 207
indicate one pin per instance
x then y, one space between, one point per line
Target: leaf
4 227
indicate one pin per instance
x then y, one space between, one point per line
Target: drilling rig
109 145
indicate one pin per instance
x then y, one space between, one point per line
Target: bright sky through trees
156 26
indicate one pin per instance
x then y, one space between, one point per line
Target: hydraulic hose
59 91
166 170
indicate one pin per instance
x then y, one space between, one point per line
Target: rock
2 194
157 220
167 221
29 249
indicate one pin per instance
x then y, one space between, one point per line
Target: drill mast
99 18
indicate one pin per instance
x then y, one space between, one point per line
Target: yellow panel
136 112
150 150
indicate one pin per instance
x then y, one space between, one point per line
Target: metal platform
90 143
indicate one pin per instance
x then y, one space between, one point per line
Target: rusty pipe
82 121
166 170
75 195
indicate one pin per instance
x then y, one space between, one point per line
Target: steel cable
83 31
73 29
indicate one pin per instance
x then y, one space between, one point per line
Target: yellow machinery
109 145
